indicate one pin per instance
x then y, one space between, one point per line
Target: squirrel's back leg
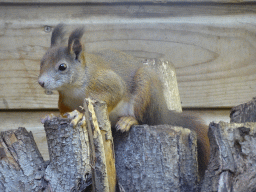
140 100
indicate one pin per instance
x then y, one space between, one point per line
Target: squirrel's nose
41 83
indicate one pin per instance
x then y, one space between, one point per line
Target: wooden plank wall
211 46
211 43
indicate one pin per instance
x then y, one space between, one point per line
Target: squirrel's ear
57 35
74 42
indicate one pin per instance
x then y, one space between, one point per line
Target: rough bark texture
69 168
157 158
21 165
23 168
148 158
244 113
233 155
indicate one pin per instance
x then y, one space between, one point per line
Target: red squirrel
132 91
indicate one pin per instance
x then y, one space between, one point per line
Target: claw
124 123
76 117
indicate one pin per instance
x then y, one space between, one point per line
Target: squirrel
132 91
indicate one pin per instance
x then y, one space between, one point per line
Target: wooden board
211 46
123 1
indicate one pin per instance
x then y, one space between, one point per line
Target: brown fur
62 107
133 91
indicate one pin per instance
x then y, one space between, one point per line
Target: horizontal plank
212 47
124 1
52 13
31 121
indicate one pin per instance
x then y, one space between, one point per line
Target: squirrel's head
61 63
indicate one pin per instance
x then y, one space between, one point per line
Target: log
102 146
69 168
21 164
233 155
166 162
167 73
23 168
81 154
244 113
232 162
157 158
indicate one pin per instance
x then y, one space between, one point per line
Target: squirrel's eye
62 67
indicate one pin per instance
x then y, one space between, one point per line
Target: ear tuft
77 47
57 34
74 44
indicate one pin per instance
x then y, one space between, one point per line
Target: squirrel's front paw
76 117
125 123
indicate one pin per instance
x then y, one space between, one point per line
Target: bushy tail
161 115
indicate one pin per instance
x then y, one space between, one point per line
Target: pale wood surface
212 47
123 1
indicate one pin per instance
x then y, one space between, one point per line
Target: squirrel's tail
161 115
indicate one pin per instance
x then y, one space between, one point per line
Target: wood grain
211 46
123 1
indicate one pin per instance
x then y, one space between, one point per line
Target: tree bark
69 168
21 166
244 113
157 158
233 155
85 154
